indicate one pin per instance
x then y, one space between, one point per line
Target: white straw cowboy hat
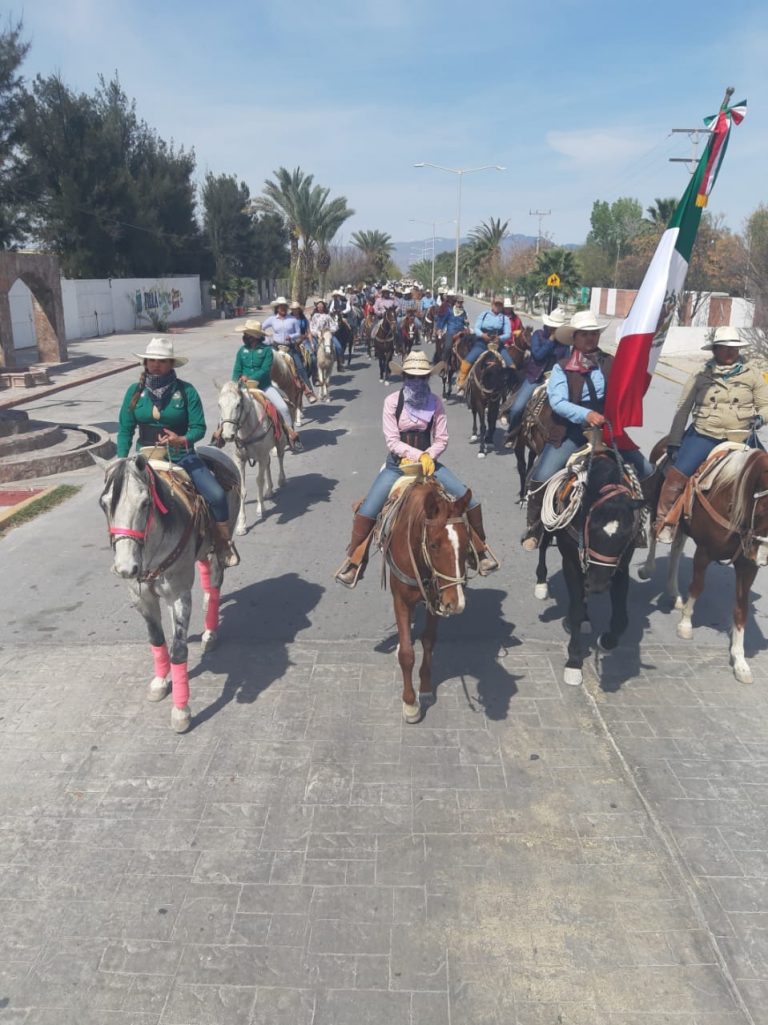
252 327
280 301
161 348
337 291
725 336
585 320
554 319
416 364
295 305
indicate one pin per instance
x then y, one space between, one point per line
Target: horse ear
103 463
141 462
462 504
431 505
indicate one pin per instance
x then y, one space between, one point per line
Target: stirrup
487 563
344 570
667 533
530 542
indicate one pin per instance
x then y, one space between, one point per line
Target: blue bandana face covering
416 391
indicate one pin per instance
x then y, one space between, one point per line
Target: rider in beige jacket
727 399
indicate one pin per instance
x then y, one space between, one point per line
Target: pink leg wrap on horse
212 612
161 659
205 574
180 685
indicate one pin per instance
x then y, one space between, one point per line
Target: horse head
231 409
326 342
131 498
611 518
749 512
491 376
444 548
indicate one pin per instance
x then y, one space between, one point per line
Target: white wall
22 320
103 306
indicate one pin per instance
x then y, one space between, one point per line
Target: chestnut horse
408 335
426 551
728 523
460 345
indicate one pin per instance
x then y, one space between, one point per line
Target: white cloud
599 147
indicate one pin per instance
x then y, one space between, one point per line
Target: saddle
269 407
721 467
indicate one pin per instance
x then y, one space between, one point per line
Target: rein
589 555
140 535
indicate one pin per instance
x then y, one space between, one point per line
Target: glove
427 464
756 423
672 451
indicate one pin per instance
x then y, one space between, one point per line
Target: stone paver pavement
304 858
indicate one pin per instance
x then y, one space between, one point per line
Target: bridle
117 533
589 557
434 582
241 442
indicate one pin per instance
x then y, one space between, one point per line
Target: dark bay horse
426 552
365 332
384 334
428 324
458 347
408 335
728 521
346 337
158 536
596 549
486 386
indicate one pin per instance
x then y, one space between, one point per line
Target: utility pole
540 214
694 134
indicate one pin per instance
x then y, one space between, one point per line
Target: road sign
553 281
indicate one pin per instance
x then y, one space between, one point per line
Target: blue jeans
523 393
207 486
338 348
301 370
374 501
696 447
480 347
553 459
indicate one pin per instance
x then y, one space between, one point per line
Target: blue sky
575 97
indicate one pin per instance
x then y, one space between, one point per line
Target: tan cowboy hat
554 319
252 327
337 291
161 348
280 301
725 336
585 320
295 305
416 364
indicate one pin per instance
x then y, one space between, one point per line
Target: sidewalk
79 370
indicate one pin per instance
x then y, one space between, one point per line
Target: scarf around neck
160 386
581 362
419 400
724 373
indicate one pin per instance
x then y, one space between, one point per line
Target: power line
541 214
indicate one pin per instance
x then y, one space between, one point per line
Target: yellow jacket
719 404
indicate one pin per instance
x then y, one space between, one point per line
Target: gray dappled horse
246 422
157 539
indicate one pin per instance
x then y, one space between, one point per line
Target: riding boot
461 380
669 508
353 567
224 546
532 536
486 561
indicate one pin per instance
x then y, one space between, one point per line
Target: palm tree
376 247
284 195
561 262
330 218
661 210
483 257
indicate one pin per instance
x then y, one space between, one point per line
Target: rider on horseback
728 397
416 431
515 323
297 312
490 326
426 300
254 363
545 352
450 323
284 329
384 301
169 416
321 320
576 391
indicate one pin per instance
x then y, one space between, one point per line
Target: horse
285 377
520 347
245 421
461 343
425 549
727 518
365 331
325 359
383 335
486 386
596 547
157 536
530 437
346 337
408 334
428 324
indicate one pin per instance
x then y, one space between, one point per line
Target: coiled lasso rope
552 518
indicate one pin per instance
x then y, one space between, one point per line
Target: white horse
325 360
245 422
156 541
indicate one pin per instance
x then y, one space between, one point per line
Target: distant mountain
406 253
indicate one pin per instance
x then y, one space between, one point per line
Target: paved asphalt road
530 854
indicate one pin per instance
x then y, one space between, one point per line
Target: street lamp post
434 224
459 172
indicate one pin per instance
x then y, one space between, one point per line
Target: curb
12 510
63 386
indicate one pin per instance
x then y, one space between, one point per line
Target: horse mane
231 386
116 481
744 476
416 497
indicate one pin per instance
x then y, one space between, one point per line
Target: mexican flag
643 333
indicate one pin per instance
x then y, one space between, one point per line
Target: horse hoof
411 713
427 699
481 455
181 719
159 687
573 677
541 591
679 603
643 573
472 437
209 641
685 630
239 531
742 672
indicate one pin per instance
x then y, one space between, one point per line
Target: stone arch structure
41 274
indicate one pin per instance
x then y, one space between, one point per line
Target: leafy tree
15 181
661 210
377 248
562 262
228 226
756 265
614 226
422 269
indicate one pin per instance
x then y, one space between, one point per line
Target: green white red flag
645 329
